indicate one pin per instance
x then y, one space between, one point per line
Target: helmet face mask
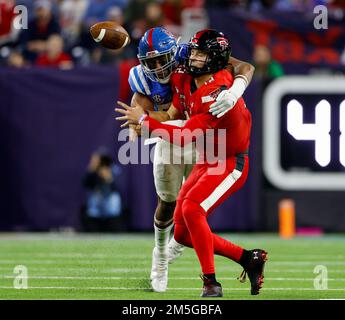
157 49
159 66
217 48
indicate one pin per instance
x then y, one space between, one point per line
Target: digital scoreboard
304 133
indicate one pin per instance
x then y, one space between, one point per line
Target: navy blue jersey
160 94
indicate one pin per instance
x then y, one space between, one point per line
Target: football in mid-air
110 35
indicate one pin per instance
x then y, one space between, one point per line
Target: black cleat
211 289
254 267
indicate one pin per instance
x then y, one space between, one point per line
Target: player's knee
164 213
191 211
167 196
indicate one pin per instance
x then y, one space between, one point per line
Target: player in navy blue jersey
159 55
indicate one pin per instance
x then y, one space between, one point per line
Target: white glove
227 99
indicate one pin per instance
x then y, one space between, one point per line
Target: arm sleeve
181 136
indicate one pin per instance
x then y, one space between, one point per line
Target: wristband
143 117
243 77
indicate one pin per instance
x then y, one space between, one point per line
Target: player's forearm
160 116
243 69
140 100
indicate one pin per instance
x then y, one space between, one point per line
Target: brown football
110 35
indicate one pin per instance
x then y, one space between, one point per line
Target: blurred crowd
58 30
286 5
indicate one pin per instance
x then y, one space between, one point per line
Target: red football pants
199 195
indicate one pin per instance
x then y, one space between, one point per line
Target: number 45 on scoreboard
283 123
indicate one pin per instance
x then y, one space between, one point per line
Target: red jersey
195 104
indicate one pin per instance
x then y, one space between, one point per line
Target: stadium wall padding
50 123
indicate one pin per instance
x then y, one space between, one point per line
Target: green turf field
118 267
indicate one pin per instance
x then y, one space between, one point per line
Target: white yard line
307 263
114 255
144 278
82 261
172 289
137 260
174 268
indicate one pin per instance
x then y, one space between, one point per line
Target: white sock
162 239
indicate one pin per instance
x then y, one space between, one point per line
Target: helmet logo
168 33
151 53
194 40
222 42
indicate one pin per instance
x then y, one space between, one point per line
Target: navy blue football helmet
157 49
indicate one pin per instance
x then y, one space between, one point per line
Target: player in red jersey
209 183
